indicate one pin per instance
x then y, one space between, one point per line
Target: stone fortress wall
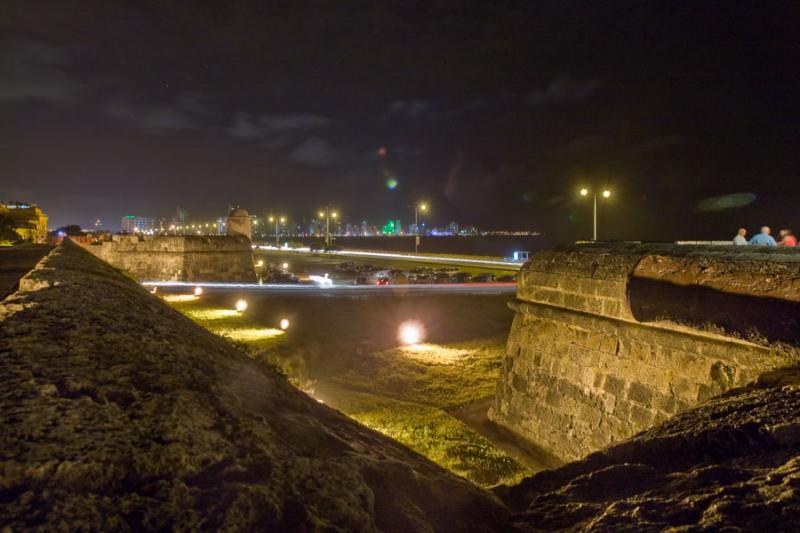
180 258
608 341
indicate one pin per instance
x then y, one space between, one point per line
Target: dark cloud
561 90
409 108
316 151
154 119
275 128
35 71
244 127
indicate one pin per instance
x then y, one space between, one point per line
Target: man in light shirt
764 238
740 239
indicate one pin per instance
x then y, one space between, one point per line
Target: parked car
460 277
507 278
381 281
441 277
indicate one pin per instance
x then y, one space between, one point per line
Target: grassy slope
404 393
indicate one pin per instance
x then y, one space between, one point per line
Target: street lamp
606 194
417 208
327 214
277 220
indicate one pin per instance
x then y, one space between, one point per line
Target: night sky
495 112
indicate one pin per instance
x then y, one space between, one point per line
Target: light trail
464 288
506 265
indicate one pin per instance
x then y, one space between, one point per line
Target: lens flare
411 332
241 305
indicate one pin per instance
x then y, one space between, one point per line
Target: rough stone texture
180 258
732 464
118 413
581 371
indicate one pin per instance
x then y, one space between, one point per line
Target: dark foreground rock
731 464
118 413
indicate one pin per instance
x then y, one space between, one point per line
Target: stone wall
121 414
585 368
180 258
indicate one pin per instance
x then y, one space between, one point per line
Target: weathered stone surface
732 464
579 376
118 413
180 258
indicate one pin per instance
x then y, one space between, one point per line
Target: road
16 261
511 266
450 288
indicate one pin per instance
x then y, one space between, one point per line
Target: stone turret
239 222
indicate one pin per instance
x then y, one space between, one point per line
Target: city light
411 332
285 266
606 193
284 323
260 263
198 291
584 192
241 305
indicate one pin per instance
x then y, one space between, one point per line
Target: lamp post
606 194
417 208
328 214
277 220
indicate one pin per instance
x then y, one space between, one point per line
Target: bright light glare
334 214
260 263
606 193
249 334
322 281
198 291
411 332
423 207
285 323
180 297
584 192
285 266
241 305
321 214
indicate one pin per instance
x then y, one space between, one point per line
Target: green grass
404 393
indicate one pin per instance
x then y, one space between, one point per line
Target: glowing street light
417 208
198 291
284 324
606 194
277 220
327 214
241 305
411 332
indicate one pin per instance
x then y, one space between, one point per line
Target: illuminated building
137 224
27 220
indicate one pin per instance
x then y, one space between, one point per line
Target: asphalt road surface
16 261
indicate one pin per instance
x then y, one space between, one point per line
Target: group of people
765 238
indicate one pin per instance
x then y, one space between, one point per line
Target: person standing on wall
787 238
740 239
764 238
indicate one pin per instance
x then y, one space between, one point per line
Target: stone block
614 385
639 393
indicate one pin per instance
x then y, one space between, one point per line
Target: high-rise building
137 224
